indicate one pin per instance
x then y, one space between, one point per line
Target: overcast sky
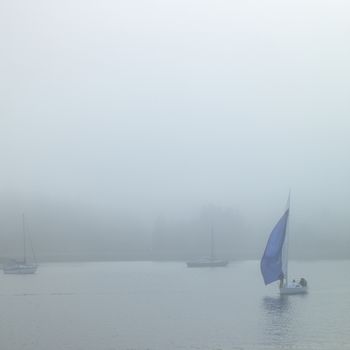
161 107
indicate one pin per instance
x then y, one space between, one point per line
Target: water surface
158 306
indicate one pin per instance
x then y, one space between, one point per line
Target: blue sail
271 262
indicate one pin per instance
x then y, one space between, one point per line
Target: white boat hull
207 263
20 269
293 289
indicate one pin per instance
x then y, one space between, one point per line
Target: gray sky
153 107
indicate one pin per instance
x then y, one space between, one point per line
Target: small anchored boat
207 262
211 261
23 267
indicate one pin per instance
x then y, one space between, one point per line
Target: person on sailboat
303 282
292 284
281 280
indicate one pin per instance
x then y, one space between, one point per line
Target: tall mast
212 244
24 239
285 250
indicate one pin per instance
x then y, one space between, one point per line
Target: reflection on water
278 304
278 314
281 315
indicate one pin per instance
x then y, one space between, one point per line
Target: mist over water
137 135
117 114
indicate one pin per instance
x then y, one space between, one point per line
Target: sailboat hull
207 263
20 269
289 290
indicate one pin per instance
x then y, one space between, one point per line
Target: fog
129 128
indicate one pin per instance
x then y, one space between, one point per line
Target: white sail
285 246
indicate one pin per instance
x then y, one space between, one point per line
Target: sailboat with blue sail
274 263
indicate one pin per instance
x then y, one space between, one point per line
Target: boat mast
24 239
285 250
212 244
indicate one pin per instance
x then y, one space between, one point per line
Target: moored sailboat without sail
212 261
22 267
274 263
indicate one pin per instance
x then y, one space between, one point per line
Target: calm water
165 306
